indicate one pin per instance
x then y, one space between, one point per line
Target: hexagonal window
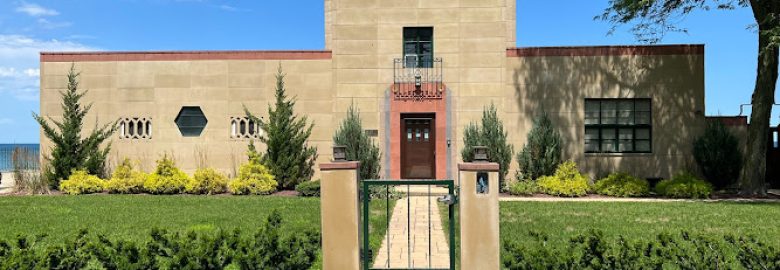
191 121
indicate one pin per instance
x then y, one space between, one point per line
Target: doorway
418 146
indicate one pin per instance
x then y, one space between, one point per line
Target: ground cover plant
567 181
684 185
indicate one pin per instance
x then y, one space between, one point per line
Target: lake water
6 154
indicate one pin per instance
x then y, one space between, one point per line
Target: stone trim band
182 56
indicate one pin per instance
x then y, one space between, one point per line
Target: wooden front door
418 147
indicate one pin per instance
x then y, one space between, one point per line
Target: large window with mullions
418 47
618 125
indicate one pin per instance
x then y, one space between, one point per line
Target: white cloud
46 24
19 60
232 8
36 10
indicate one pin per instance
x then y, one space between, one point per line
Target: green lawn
561 220
133 216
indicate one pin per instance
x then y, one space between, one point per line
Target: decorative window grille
244 128
135 128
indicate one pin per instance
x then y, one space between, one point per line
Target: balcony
417 79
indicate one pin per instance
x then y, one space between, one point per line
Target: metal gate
418 195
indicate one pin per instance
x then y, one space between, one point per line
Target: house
419 71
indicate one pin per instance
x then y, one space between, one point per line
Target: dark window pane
191 121
643 146
609 112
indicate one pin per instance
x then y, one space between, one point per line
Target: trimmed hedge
567 181
267 248
253 178
166 179
622 185
522 188
126 179
684 185
207 181
683 251
309 188
80 182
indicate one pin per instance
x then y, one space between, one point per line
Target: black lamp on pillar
339 153
480 154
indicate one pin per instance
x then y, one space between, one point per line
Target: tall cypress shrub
360 147
489 133
288 154
542 152
717 154
69 150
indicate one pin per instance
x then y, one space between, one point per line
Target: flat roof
183 55
672 49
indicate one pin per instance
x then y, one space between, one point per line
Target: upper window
618 126
244 127
418 47
191 121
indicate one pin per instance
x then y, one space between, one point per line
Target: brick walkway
399 234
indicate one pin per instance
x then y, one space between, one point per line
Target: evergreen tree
360 147
542 152
69 151
718 155
288 155
490 134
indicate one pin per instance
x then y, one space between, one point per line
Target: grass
133 216
377 226
639 220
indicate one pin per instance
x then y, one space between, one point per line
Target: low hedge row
253 178
683 251
267 248
567 181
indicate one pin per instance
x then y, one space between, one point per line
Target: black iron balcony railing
418 79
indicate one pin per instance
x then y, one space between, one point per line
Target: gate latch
448 199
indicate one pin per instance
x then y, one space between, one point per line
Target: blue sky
28 27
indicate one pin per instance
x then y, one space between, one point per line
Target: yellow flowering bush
253 178
206 181
166 179
126 180
567 181
80 182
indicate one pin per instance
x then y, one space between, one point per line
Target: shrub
684 185
289 155
80 182
309 189
166 179
622 185
523 188
489 133
593 250
69 151
717 154
253 178
126 180
206 181
269 247
360 147
542 153
567 181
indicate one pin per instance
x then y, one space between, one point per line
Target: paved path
400 233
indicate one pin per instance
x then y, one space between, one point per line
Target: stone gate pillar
478 199
340 217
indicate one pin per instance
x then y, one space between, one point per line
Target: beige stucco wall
470 36
364 36
559 86
158 89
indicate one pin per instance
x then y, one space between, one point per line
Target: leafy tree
360 147
490 133
70 151
542 152
288 154
718 155
654 18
